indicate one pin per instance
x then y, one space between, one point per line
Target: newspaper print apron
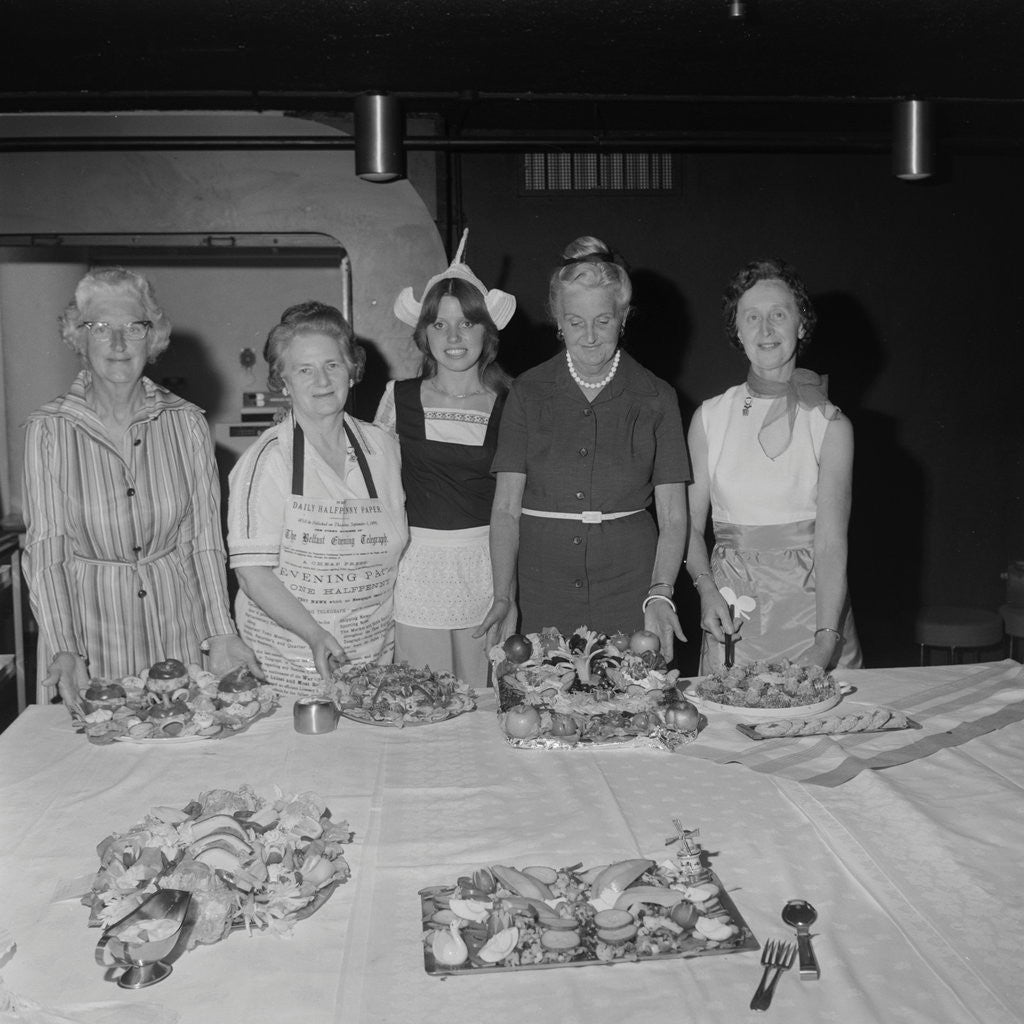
339 558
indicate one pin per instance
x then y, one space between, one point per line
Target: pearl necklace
586 384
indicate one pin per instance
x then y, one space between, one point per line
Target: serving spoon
799 914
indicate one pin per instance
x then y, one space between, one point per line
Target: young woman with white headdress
446 421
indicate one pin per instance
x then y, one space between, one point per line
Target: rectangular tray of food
590 951
860 724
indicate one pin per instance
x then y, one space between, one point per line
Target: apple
522 722
517 649
644 640
683 716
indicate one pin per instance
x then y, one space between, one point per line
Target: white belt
583 517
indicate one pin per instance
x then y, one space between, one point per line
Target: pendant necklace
586 384
747 403
441 391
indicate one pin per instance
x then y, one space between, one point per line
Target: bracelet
828 629
657 597
671 589
696 579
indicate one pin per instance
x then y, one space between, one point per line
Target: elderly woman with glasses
124 553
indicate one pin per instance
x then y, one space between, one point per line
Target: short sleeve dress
764 512
605 456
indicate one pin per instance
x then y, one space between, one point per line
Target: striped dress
124 553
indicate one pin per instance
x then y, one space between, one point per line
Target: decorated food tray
172 702
765 690
502 918
249 862
398 695
875 720
557 692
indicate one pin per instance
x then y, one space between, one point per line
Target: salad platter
170 702
767 690
501 918
589 689
398 696
250 863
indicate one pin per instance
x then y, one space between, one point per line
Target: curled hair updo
474 309
590 263
121 281
771 269
312 317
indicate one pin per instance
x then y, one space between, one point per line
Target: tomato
100 690
517 649
684 914
563 725
522 722
620 642
684 716
641 721
238 681
169 669
644 640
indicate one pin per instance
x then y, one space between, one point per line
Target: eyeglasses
136 330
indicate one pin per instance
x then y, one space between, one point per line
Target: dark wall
918 289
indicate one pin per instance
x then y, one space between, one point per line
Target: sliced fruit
220 859
620 875
616 936
217 822
442 917
499 946
717 931
648 894
553 939
542 874
613 919
563 924
589 876
520 884
223 840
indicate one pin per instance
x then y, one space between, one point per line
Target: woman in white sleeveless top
772 462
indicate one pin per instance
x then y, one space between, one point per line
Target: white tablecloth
914 870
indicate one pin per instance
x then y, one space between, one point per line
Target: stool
957 629
1013 620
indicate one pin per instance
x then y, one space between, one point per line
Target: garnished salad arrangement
398 695
767 684
505 917
171 700
557 691
249 861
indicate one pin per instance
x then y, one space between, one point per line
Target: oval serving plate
768 714
222 734
365 716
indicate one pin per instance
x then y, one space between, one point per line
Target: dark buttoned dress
605 456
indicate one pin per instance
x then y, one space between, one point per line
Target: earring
284 391
561 336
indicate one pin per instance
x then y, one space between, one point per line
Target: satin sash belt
118 561
773 537
580 517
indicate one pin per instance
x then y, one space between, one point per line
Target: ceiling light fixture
913 142
379 130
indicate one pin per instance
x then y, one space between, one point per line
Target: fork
777 955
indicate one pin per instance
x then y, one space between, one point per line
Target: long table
914 870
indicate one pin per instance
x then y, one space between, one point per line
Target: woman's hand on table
660 619
326 649
824 652
69 674
229 652
492 623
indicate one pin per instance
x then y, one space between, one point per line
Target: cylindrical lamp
379 131
913 144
